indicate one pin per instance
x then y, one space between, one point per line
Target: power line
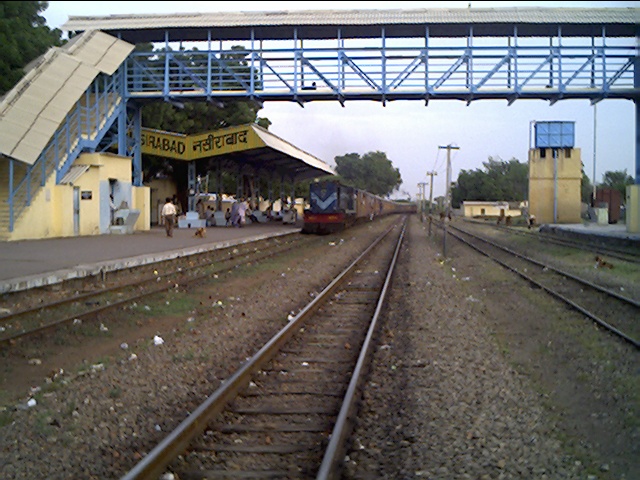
435 163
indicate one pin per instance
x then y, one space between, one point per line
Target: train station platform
612 234
29 264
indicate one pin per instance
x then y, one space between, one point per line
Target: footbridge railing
398 70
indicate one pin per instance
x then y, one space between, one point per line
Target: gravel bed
491 389
470 378
116 387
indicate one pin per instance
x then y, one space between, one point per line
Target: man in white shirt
242 211
169 215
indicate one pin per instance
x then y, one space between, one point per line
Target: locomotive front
331 208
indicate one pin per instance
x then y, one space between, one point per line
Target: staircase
82 130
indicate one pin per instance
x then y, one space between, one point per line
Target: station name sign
164 144
194 147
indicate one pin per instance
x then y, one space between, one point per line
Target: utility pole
448 195
431 174
421 186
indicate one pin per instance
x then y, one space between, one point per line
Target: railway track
288 411
100 294
625 254
615 313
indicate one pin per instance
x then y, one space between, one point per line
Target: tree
195 117
499 181
372 172
586 189
24 36
617 180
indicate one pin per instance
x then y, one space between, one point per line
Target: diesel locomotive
334 207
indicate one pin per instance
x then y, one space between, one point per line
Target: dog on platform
200 232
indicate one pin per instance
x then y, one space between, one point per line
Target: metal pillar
636 85
219 188
191 182
281 193
593 195
135 114
555 185
637 102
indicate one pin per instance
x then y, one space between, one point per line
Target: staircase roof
32 111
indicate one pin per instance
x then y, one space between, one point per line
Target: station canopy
244 145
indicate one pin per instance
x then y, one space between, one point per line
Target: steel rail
154 464
92 311
612 293
334 453
599 321
621 254
95 293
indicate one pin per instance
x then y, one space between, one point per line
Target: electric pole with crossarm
431 174
448 196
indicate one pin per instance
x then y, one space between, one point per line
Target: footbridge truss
473 54
304 56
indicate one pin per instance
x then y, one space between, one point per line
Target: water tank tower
555 174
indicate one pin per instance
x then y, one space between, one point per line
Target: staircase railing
82 130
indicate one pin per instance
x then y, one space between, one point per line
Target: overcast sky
409 132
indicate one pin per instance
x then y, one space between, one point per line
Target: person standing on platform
235 218
169 215
242 211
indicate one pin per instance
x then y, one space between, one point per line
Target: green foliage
24 36
197 117
115 392
499 181
5 418
617 180
372 172
586 189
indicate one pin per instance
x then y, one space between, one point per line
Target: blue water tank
555 134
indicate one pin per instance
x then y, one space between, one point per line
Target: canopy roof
242 146
324 24
32 111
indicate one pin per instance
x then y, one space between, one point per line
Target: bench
191 220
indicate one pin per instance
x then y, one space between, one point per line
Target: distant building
471 209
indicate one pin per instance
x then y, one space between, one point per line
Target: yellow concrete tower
555 174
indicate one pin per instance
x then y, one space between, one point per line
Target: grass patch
5 418
115 392
184 357
169 304
43 423
90 329
69 409
102 360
